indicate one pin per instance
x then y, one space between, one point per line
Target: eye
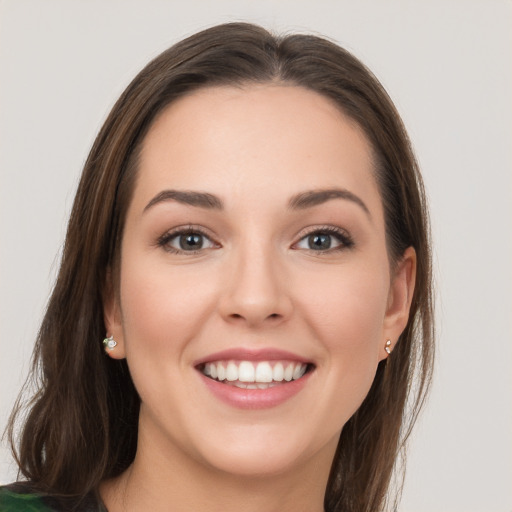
324 240
186 241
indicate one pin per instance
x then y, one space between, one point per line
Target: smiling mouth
255 375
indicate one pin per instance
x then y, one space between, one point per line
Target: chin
264 452
256 463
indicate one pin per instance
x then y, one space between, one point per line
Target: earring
109 343
387 348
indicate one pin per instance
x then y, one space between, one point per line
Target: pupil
191 241
320 241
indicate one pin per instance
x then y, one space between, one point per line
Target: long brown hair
81 426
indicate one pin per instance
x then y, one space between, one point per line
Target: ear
399 299
112 319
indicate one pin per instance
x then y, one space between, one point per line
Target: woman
250 232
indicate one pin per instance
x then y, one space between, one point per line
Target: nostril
238 315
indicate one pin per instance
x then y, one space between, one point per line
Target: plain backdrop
447 65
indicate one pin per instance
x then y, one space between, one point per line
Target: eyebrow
315 197
191 198
300 201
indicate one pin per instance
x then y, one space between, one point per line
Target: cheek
162 307
347 316
162 310
349 322
348 309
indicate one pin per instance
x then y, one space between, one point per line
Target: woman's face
255 288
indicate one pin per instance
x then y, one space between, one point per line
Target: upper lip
246 354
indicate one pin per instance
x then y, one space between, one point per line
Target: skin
256 283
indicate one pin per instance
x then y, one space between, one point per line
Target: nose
255 291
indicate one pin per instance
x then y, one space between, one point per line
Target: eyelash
166 238
345 240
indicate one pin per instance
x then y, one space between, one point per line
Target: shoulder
19 496
22 496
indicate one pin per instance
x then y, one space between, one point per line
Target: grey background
447 65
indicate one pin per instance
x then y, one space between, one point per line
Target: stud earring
109 343
387 348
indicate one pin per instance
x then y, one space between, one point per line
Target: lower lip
255 398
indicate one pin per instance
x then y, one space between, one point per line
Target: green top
21 496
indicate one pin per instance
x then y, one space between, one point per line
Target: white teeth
278 372
263 372
221 372
246 372
288 373
231 371
248 375
258 385
298 372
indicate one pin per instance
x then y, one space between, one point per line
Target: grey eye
190 241
319 241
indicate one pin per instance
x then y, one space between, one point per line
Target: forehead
268 139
